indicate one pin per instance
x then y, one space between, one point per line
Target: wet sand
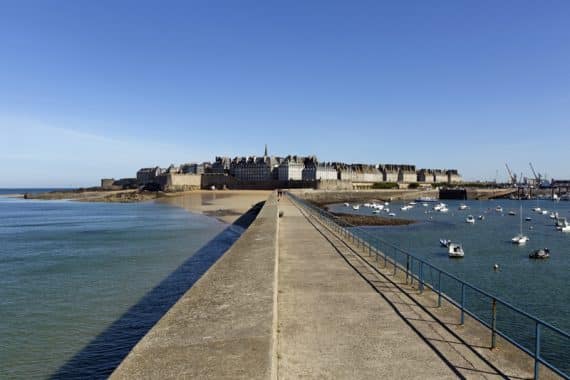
225 205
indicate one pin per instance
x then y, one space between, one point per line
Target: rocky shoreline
113 196
369 220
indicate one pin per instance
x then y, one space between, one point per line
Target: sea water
81 283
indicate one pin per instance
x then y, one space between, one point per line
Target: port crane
512 176
537 177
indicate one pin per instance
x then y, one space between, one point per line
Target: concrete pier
332 324
292 299
224 326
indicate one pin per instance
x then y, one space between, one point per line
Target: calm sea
539 287
81 283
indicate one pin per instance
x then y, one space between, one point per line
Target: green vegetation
385 185
414 185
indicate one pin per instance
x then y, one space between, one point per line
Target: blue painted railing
415 268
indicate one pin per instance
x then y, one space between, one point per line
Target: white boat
481 217
391 214
463 207
562 225
499 209
405 208
444 209
346 205
528 218
444 242
412 203
470 219
455 250
355 207
439 206
376 211
512 213
537 209
553 215
544 212
367 205
520 238
425 204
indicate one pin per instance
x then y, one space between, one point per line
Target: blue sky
101 88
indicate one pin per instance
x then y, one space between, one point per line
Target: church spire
265 150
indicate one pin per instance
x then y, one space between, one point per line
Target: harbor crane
536 176
512 176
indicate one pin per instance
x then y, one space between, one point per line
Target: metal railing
417 269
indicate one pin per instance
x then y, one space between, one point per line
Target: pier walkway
332 322
340 315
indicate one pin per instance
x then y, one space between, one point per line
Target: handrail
374 240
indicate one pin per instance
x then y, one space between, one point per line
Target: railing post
494 324
421 276
536 350
462 303
438 288
407 267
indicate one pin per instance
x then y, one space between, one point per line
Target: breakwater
223 327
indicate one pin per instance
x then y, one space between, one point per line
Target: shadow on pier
105 352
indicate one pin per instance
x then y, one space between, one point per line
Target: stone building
453 176
253 169
315 171
291 169
390 172
439 176
148 175
407 174
425 176
194 168
221 165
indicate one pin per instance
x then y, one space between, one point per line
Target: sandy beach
226 205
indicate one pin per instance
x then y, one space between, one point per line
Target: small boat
367 205
355 207
391 214
553 215
444 242
520 238
444 209
470 219
543 253
376 211
512 213
426 199
346 205
481 217
412 203
499 209
463 207
537 209
405 208
562 225
528 218
544 212
425 204
387 210
455 250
